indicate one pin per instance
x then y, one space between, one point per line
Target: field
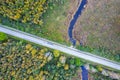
99 28
53 27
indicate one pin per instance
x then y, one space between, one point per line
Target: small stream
73 21
73 41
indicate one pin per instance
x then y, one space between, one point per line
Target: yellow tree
23 10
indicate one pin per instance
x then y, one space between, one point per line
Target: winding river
73 21
71 26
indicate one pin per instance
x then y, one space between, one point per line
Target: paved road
65 49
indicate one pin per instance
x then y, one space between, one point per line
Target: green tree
3 36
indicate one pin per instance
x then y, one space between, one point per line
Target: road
63 48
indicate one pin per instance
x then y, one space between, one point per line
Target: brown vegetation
99 25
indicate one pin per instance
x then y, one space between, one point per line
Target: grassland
53 27
99 28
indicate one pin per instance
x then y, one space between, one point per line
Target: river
73 21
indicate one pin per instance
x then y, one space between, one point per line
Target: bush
78 62
23 10
3 36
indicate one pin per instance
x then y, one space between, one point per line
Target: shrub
78 62
3 36
23 10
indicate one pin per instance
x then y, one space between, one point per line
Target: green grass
101 51
98 76
53 27
100 22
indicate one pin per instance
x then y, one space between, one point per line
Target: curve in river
73 21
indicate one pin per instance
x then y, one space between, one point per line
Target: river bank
99 27
74 19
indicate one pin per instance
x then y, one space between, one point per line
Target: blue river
84 73
73 21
